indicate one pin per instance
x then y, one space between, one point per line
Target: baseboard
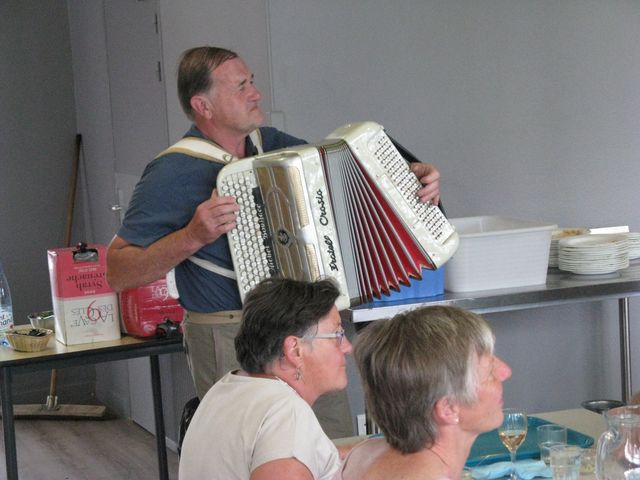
34 411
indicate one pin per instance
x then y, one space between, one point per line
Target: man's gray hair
194 72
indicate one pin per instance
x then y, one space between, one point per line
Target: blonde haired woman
432 383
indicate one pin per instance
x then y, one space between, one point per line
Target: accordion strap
212 267
256 139
201 148
202 263
207 150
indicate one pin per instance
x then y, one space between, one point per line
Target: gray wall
529 108
37 128
93 116
37 138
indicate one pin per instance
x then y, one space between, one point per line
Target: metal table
57 355
561 288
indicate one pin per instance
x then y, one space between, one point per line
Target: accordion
345 208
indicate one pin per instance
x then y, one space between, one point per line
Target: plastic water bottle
6 308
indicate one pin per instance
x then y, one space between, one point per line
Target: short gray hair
410 362
194 72
275 309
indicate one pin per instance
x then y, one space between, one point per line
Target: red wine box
85 308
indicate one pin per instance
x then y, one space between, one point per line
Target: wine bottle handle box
85 307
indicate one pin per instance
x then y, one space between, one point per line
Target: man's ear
446 412
200 104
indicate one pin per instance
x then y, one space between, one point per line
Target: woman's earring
298 374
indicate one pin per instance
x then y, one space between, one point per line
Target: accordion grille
295 183
312 258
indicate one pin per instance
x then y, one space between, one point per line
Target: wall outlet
362 424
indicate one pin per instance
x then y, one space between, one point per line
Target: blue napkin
525 469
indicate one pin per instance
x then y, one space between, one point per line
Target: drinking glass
512 432
550 435
565 462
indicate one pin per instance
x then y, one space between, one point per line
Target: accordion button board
251 264
346 208
400 186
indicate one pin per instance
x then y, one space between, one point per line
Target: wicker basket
20 339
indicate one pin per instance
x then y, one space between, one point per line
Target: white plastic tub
498 252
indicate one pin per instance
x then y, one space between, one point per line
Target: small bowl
45 319
600 406
27 339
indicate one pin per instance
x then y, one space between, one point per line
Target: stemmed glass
512 432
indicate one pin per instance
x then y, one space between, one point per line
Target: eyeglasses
338 335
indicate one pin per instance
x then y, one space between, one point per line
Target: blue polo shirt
165 200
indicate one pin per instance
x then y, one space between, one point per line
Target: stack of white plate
634 245
556 235
594 254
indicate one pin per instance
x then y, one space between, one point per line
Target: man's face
235 100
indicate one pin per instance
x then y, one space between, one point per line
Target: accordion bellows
345 208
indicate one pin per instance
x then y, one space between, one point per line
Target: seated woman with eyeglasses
257 423
432 384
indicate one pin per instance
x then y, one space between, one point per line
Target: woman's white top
244 422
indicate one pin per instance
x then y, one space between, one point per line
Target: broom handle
72 191
52 383
67 232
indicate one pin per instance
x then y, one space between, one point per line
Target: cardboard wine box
85 308
143 308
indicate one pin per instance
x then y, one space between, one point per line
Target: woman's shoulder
371 445
361 457
375 459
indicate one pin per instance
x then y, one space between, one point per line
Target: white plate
588 241
592 271
634 246
604 257
594 254
567 232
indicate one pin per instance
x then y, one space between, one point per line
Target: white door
139 119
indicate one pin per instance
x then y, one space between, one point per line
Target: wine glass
512 432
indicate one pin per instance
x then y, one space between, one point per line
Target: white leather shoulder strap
201 148
170 277
212 267
256 139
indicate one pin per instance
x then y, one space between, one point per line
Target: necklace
274 377
440 458
264 375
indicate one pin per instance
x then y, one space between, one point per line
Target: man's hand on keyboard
213 218
429 176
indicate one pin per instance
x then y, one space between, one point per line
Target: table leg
625 348
156 389
10 451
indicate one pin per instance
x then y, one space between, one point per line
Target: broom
51 409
